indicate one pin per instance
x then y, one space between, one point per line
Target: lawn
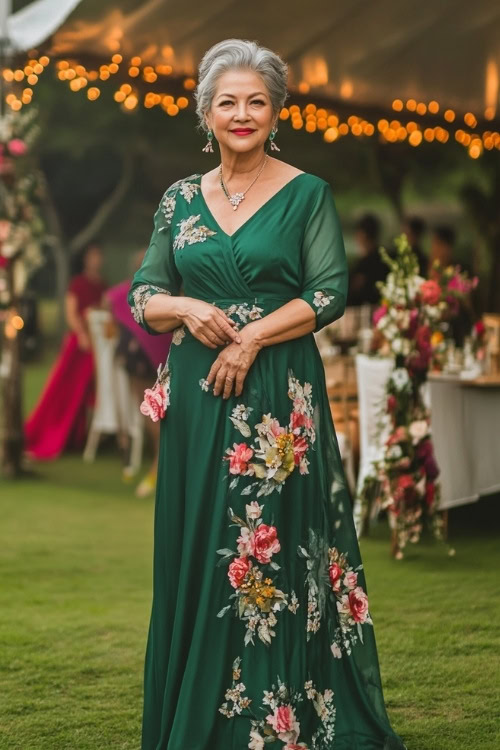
75 566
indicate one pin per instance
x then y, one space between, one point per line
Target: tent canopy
368 53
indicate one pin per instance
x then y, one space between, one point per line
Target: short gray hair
232 54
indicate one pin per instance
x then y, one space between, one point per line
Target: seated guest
443 246
443 251
140 354
370 268
59 420
414 228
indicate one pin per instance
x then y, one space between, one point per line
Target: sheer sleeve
324 285
158 273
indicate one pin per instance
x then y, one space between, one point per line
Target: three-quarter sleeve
324 281
158 273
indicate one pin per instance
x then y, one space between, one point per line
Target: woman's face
241 116
92 263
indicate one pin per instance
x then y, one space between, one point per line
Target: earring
272 136
209 149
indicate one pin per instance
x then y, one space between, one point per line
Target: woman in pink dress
59 420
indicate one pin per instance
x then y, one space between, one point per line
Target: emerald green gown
260 632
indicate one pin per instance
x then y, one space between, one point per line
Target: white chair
116 409
372 374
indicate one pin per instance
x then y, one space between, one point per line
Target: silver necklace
236 198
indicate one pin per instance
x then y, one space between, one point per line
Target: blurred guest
444 251
59 420
140 354
370 268
414 228
443 246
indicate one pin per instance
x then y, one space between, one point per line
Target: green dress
260 632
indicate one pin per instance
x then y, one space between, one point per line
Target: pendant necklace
236 198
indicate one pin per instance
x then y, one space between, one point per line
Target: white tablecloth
465 428
466 432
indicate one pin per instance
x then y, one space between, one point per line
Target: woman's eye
258 101
227 101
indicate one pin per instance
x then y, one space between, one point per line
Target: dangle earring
209 149
272 136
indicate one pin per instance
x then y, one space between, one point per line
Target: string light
309 117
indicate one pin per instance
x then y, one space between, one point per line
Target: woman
260 629
140 355
60 417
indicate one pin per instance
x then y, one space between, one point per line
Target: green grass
75 594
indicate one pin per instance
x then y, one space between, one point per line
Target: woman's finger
205 340
229 381
213 371
220 379
217 333
227 326
240 380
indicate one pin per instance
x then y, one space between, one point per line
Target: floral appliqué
157 398
276 450
277 718
235 702
243 313
331 578
190 233
186 188
257 600
321 300
178 335
141 296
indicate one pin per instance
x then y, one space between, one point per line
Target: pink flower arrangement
238 569
379 313
17 147
431 292
155 402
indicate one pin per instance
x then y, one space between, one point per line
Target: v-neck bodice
261 258
291 246
247 221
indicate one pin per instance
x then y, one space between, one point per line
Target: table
466 431
465 417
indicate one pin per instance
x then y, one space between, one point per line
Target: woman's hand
233 363
208 323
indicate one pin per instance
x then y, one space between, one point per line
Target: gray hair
232 54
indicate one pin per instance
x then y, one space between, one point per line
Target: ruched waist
241 310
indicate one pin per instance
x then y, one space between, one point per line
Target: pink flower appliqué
266 543
335 573
238 458
238 570
155 402
351 579
358 604
284 723
300 447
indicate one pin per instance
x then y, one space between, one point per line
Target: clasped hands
210 325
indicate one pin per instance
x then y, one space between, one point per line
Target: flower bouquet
410 324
